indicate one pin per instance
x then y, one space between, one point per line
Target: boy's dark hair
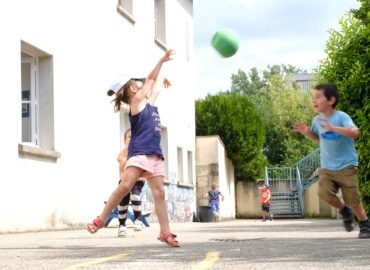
330 90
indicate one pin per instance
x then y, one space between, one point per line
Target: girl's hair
329 90
126 133
124 95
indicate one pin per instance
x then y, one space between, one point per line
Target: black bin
205 214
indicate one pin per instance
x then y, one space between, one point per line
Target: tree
234 118
347 65
280 106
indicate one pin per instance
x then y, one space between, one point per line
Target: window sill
185 185
125 14
25 150
179 184
160 44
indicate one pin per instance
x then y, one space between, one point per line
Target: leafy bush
280 106
234 118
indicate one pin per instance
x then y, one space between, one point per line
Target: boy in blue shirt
335 132
214 196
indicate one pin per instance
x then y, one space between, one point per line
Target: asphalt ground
237 244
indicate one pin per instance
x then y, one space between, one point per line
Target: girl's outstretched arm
161 83
152 77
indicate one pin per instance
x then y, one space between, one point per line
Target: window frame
126 9
43 141
190 167
160 23
180 165
33 101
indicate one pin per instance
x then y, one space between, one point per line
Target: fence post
300 190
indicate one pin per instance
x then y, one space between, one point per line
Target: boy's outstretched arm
351 132
304 130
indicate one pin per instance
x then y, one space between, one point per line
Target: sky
270 32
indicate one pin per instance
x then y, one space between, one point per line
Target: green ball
226 42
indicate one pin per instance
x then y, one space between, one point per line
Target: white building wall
226 182
213 166
90 43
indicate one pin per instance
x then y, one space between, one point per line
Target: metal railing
287 184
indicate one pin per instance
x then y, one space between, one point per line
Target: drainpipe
266 176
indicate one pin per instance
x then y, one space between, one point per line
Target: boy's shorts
152 165
266 207
345 179
214 206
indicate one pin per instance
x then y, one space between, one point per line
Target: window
190 167
125 8
37 103
29 99
160 22
180 174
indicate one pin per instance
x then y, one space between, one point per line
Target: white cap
117 84
120 81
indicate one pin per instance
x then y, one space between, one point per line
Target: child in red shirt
265 202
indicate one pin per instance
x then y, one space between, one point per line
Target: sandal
169 239
95 225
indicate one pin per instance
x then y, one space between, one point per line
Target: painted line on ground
97 261
209 260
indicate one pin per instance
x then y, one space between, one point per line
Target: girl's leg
160 206
129 178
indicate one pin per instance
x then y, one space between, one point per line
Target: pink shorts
152 165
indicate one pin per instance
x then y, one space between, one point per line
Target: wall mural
179 200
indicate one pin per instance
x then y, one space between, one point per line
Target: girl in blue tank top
145 158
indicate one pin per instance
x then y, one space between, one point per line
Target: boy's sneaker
364 229
138 225
263 220
122 231
348 218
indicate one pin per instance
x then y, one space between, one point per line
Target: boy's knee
324 195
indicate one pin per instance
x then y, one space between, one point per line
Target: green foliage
234 118
348 66
280 106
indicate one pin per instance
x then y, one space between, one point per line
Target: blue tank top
145 133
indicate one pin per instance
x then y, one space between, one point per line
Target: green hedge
348 66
